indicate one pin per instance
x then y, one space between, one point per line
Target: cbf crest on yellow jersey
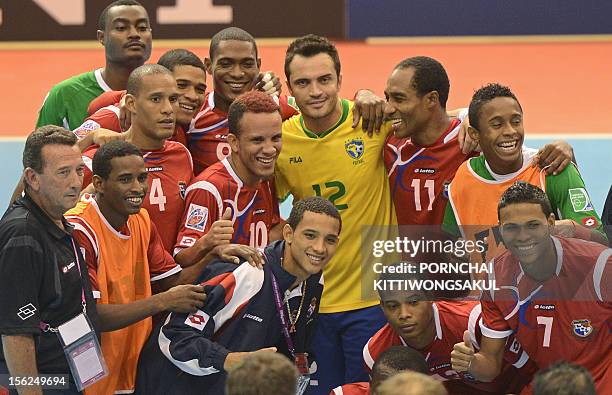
346 167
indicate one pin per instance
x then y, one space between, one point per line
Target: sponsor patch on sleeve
187 241
197 320
589 222
85 128
196 217
580 200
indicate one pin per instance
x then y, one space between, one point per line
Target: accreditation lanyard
46 327
300 359
283 318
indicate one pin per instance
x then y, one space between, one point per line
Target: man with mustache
125 32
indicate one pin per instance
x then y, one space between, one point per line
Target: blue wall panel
368 18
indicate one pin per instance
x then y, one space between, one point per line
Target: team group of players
402 160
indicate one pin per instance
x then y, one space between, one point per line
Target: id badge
302 384
82 351
301 363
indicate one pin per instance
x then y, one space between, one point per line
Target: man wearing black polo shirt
41 286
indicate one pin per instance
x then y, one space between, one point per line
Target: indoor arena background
555 55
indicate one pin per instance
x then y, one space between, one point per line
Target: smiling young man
152 99
554 294
234 65
190 75
125 32
433 328
125 256
496 120
237 188
324 155
192 352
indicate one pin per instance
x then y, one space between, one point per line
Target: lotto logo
187 241
589 222
26 311
197 320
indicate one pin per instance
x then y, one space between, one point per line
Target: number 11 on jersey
430 186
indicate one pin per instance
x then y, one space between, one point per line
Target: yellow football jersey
346 167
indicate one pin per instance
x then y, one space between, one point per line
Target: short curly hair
101 163
262 374
251 101
314 204
524 192
484 95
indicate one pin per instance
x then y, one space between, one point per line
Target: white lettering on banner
194 11
72 12
65 12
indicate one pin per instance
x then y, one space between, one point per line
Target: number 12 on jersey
334 189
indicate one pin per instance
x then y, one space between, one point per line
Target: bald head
136 77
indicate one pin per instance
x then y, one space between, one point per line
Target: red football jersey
451 319
567 317
207 135
254 210
107 117
419 176
170 171
107 98
361 388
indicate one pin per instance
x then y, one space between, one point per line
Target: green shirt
66 103
566 193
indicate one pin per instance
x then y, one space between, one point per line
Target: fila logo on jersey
295 160
582 328
589 222
355 149
580 200
197 320
196 217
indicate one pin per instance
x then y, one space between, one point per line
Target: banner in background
29 20
371 18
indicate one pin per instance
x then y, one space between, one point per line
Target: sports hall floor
563 83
